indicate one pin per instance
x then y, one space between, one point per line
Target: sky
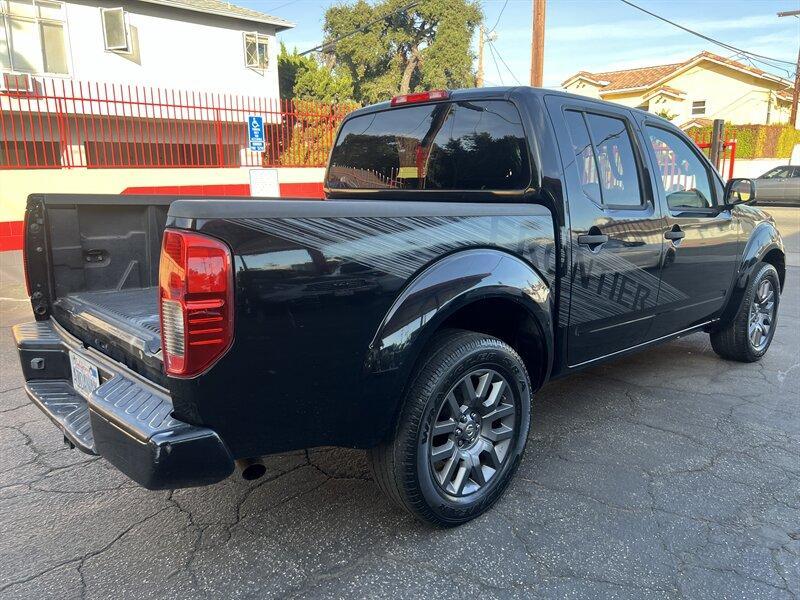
596 35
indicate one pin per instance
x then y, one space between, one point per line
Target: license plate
85 376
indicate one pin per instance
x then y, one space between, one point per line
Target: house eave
278 24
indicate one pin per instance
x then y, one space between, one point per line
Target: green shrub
757 141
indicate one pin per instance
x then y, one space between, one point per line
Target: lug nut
458 433
463 418
474 415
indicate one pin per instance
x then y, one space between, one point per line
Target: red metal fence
728 154
48 123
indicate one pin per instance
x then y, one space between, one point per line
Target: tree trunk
408 72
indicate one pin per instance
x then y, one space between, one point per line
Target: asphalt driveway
670 474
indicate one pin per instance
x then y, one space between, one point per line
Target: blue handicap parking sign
255 133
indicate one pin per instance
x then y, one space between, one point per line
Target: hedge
758 141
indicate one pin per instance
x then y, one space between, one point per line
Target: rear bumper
127 420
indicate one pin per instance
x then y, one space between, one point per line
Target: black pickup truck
473 245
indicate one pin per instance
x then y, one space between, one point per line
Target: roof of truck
503 92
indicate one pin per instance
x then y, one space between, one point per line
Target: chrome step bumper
127 420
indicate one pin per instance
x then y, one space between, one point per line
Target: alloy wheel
762 315
472 433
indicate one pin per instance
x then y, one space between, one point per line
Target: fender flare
444 287
763 239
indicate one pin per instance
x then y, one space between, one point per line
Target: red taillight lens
420 97
196 302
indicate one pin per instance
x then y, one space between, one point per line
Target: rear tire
748 336
461 432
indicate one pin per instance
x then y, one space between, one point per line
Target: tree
665 114
425 47
305 78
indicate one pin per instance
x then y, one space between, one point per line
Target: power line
502 10
360 29
500 56
496 66
707 38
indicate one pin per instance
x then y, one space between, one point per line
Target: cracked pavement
669 474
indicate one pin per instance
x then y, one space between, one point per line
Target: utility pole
481 36
537 43
796 93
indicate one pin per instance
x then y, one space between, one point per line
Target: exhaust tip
251 468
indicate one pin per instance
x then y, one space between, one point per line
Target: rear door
701 238
615 229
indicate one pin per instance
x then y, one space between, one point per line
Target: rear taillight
195 302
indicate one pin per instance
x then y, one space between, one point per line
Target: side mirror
739 191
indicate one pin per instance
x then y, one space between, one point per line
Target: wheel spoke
468 392
496 393
443 452
455 407
483 385
460 480
498 435
448 470
491 452
477 470
444 427
501 412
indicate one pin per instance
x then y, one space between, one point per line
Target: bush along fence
759 141
56 123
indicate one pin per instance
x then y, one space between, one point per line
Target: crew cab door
616 237
701 245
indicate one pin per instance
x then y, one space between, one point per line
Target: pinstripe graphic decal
400 246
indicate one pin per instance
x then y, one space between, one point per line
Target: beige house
705 87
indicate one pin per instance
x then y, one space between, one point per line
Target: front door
701 241
615 225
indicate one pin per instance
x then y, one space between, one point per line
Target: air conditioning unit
17 82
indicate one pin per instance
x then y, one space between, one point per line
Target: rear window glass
443 146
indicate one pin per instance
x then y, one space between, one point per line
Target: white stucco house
693 92
182 44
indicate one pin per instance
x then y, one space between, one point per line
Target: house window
256 48
115 29
699 107
33 37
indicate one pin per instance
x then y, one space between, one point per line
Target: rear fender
442 289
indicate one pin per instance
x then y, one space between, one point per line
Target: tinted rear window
444 146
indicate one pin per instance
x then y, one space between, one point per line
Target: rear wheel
462 430
748 336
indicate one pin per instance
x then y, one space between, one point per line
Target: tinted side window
619 177
684 178
584 156
443 146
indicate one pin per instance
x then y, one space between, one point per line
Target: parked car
780 185
474 245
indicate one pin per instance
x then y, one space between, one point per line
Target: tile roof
226 9
644 77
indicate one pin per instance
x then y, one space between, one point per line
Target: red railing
48 123
728 155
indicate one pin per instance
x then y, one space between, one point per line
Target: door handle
676 233
592 240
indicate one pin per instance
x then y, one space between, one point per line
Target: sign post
255 133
